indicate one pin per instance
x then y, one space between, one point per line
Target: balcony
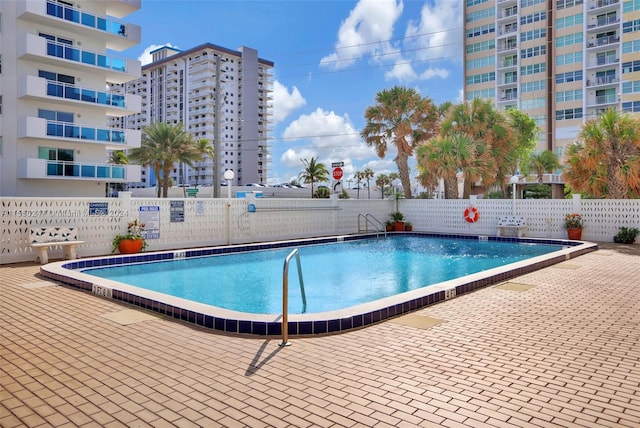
504 47
603 41
602 100
603 81
602 61
120 8
51 169
602 5
117 35
116 70
603 22
112 104
42 129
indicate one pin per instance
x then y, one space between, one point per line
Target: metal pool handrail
368 217
285 295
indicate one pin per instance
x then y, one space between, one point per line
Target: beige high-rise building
562 62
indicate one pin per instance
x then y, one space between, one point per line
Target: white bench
512 223
41 238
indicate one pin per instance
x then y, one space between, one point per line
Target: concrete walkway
557 347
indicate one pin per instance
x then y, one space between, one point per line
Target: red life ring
471 214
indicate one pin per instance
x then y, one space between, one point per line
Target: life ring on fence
471 214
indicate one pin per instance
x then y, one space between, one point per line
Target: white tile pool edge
330 322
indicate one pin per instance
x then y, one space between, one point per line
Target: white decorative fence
189 223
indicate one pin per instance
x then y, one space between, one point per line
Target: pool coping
319 323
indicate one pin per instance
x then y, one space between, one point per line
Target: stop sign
337 173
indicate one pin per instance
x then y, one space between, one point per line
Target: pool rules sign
337 173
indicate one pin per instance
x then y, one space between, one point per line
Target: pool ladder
285 295
369 218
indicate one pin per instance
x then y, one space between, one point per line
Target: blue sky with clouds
331 58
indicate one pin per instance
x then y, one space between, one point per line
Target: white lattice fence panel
603 218
350 209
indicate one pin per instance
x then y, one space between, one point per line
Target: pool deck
555 347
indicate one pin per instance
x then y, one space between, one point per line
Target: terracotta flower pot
130 246
575 233
398 226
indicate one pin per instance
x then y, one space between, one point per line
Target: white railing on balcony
605 80
98 22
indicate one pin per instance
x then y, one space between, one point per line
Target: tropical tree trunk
466 193
451 187
617 188
403 171
165 181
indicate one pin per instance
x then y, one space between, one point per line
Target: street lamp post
228 175
514 181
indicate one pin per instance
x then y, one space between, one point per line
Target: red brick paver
564 353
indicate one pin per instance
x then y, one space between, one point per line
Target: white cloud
402 71
147 58
366 31
284 102
438 34
326 136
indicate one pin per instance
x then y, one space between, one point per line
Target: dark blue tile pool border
297 328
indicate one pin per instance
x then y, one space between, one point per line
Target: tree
403 118
359 176
163 145
495 156
313 172
382 180
368 175
545 161
206 150
605 162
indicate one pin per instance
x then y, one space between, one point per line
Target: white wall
206 222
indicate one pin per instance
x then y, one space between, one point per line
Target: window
533 34
630 6
569 40
533 68
538 85
569 21
569 95
481 14
572 76
631 87
569 58
563 4
531 52
481 78
475 2
629 47
631 107
481 46
481 62
631 66
526 3
534 17
631 26
571 113
479 31
60 161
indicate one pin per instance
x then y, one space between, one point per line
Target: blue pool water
336 276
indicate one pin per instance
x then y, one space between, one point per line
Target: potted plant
132 242
398 221
574 224
388 226
408 226
626 235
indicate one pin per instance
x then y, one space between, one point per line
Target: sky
331 59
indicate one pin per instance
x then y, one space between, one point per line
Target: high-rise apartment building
220 95
58 63
562 62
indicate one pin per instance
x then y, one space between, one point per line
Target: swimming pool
336 275
402 288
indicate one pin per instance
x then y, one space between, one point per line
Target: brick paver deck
564 352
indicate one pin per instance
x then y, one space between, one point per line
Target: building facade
562 62
220 95
58 65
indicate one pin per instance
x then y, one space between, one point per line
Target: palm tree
206 150
495 156
163 145
359 176
403 118
313 172
368 175
442 157
382 180
606 163
545 161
